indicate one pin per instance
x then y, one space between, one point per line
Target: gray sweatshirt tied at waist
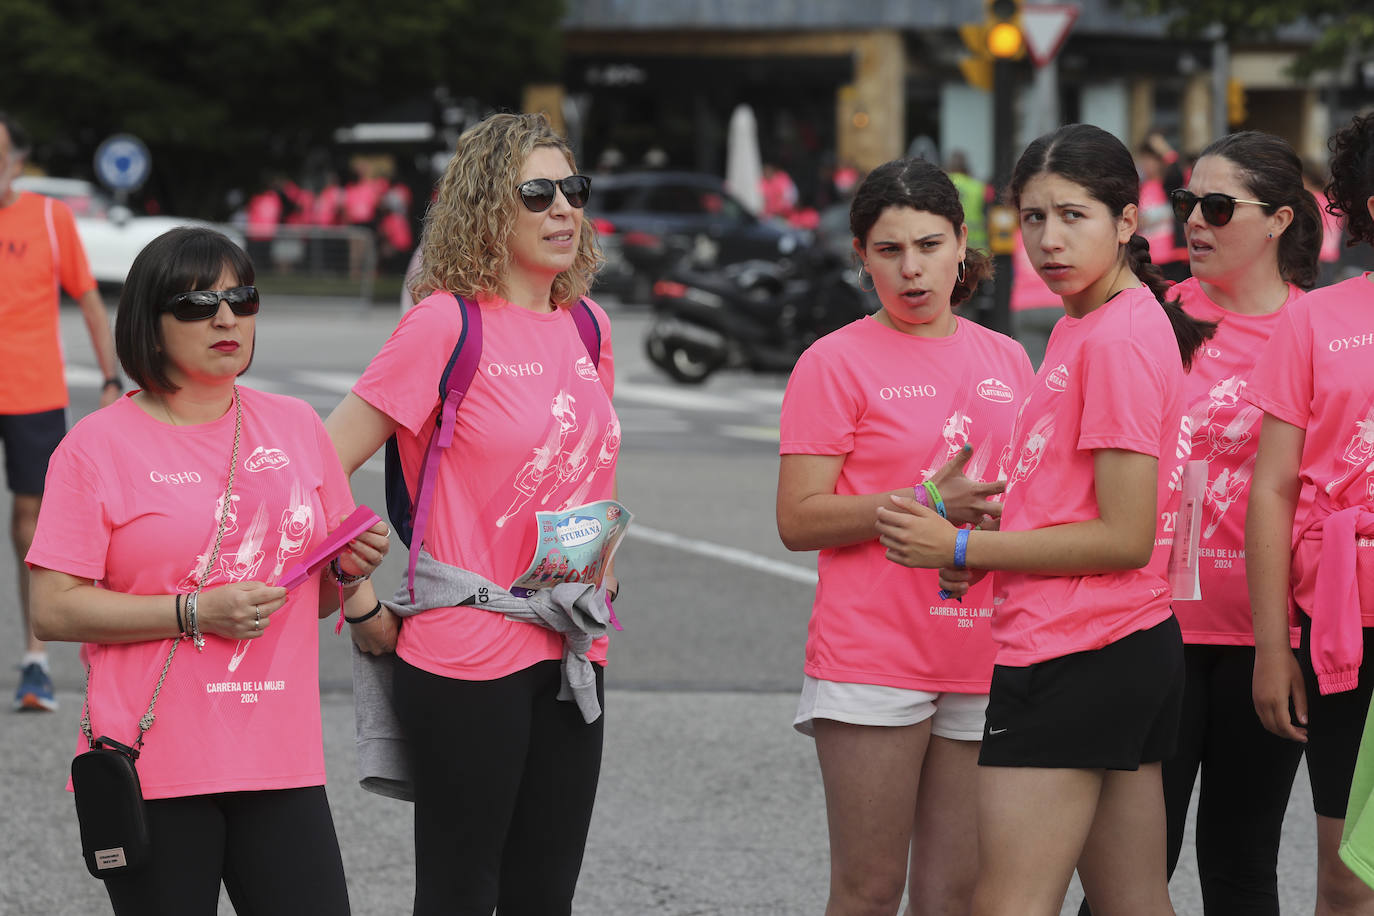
576 610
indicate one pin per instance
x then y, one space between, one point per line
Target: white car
111 234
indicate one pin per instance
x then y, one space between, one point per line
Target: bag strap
588 330
146 721
453 387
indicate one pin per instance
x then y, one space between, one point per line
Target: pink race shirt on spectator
1318 374
535 432
1112 379
1225 429
897 407
134 505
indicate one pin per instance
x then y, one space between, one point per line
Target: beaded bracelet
365 617
935 498
338 575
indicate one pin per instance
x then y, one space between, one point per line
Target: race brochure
574 546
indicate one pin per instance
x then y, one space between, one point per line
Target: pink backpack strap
588 330
457 377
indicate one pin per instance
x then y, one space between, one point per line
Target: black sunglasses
199 304
1217 208
537 193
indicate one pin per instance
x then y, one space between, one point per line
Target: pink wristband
922 496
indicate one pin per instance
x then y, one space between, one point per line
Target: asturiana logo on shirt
1058 379
496 370
586 369
266 459
898 392
578 529
995 390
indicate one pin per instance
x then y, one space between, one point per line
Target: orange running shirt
31 377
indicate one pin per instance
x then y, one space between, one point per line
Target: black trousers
505 778
275 851
1247 776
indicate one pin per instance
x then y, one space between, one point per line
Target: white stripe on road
727 554
673 397
789 571
338 382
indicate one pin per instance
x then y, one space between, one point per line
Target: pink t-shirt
535 432
134 505
877 397
1225 430
1112 379
1326 336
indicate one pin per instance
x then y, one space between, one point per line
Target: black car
651 221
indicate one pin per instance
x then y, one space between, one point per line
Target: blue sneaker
35 690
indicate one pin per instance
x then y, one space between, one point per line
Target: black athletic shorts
1111 708
29 440
1335 724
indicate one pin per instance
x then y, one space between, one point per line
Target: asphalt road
709 802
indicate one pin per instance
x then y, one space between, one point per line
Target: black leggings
275 851
505 777
1247 775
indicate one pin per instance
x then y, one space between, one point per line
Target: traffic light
1003 22
997 37
1236 113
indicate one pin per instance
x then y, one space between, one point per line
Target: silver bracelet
192 622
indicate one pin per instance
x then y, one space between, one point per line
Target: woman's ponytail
1190 332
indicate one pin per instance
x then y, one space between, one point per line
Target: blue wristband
960 548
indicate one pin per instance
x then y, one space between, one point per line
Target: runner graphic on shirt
529 478
1359 452
198 572
1230 438
610 445
1032 449
571 463
1225 490
1223 395
296 525
955 433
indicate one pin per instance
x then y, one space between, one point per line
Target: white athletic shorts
958 716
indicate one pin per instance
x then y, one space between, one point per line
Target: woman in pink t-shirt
169 519
1309 538
896 674
504 771
1084 696
1248 261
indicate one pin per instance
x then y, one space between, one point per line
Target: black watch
113 380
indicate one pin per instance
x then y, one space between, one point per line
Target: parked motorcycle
758 315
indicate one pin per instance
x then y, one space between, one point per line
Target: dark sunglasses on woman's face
1217 209
199 304
537 193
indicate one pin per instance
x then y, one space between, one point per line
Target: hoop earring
963 272
860 280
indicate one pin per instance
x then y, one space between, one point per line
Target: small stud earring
1271 235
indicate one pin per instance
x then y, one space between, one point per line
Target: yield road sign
1045 27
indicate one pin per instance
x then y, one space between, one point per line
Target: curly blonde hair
466 241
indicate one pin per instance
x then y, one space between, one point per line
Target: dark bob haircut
179 260
919 185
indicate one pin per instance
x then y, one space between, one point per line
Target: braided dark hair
1102 165
920 185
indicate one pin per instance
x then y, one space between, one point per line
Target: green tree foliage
1344 28
225 92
